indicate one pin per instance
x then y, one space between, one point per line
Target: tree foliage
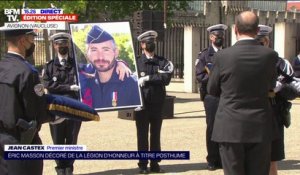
118 10
79 40
97 10
126 51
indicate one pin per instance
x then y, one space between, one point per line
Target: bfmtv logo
12 14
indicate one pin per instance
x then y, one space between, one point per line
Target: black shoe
211 167
143 171
156 169
69 171
60 171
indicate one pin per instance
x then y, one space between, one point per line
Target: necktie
63 62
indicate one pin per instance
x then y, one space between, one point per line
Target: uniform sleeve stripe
73 111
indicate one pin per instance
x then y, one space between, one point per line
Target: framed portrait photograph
106 65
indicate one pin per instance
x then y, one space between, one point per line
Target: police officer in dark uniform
204 63
296 65
286 89
60 78
22 102
155 73
106 89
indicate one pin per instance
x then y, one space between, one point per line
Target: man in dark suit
243 78
203 65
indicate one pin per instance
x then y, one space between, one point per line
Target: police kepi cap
264 30
217 27
60 37
17 32
147 36
98 35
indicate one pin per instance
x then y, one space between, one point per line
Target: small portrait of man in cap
107 47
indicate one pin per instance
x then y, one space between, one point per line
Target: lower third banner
97 155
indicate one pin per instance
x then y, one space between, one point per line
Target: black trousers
150 117
246 158
211 105
65 133
18 167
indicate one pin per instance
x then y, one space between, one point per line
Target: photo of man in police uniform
105 90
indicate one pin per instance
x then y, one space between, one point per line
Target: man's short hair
13 39
14 35
247 25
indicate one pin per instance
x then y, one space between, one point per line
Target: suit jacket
242 76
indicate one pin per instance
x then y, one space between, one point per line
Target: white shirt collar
61 58
16 54
149 56
246 38
215 48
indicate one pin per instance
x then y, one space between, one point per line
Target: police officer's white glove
138 109
296 85
143 80
278 86
74 87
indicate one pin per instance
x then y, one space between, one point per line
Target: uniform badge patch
54 79
143 74
39 89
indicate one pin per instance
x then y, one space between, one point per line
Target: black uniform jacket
18 98
58 79
154 90
242 79
295 62
204 59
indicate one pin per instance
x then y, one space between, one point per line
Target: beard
100 65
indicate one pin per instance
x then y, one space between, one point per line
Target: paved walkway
185 132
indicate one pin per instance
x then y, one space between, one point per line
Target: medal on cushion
114 98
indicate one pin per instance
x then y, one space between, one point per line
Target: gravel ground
185 132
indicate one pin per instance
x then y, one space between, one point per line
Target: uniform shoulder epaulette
49 62
204 50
